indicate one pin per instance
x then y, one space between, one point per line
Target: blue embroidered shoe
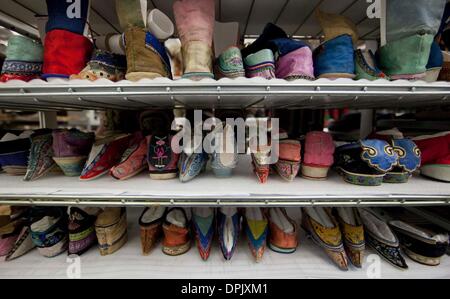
14 153
335 58
408 161
49 231
256 230
435 63
228 229
203 223
224 161
191 165
41 160
366 162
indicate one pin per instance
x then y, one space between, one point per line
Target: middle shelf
242 189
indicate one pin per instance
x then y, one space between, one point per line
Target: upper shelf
225 93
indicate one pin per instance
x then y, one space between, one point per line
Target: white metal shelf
242 189
309 261
225 93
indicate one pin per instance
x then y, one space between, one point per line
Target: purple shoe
71 149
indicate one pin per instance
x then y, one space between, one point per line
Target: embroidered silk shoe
318 157
422 244
81 229
105 153
366 67
151 222
408 161
283 234
111 230
324 230
381 238
176 232
260 64
191 165
71 149
288 164
228 229
256 229
14 153
162 161
41 160
204 226
134 159
104 65
230 64
366 162
353 233
49 231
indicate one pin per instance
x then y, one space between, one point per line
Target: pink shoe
319 150
134 159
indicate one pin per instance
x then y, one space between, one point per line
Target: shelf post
48 120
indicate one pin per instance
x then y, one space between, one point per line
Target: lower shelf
309 261
242 189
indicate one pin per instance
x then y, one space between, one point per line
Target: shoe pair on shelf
371 162
340 234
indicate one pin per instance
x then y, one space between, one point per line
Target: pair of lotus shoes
365 162
150 223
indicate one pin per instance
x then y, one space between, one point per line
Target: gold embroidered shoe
353 233
256 230
324 231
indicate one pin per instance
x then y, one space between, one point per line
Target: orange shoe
176 233
283 235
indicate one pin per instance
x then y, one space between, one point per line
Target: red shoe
134 159
435 156
105 153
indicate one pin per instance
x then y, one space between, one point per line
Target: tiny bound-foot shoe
324 231
353 233
134 159
204 226
111 230
318 157
228 229
283 234
176 232
256 229
151 222
41 160
81 229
